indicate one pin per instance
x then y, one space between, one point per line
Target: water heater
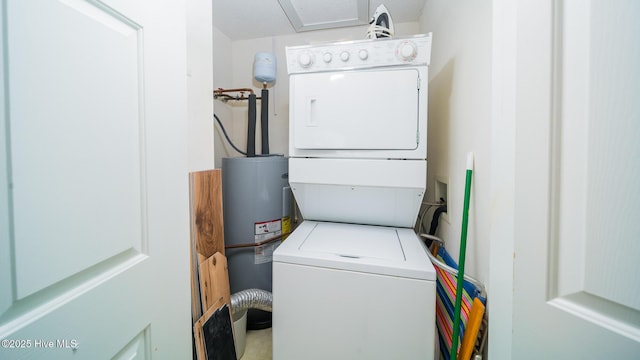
257 206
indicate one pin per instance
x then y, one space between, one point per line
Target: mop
461 259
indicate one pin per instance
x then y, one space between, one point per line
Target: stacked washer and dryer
353 281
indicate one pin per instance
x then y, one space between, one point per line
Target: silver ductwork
251 299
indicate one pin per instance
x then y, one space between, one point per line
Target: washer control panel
415 50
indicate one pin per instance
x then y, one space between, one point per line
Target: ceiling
252 19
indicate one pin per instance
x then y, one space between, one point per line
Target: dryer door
356 110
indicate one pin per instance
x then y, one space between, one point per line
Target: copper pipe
224 97
269 240
236 98
246 245
221 90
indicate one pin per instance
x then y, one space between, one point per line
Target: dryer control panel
361 54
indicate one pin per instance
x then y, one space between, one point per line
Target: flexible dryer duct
251 299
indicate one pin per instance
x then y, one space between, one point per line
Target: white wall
199 73
222 77
236 71
460 120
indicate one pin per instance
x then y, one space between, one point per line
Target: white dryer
353 281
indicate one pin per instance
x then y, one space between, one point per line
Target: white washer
353 281
343 291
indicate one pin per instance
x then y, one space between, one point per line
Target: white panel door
93 180
368 110
576 292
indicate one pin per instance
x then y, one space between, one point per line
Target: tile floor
258 345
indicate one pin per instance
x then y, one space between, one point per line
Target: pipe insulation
264 120
251 299
251 126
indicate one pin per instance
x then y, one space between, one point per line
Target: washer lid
363 248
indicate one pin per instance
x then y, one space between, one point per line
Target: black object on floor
258 319
217 332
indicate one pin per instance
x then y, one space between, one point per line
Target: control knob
327 57
305 59
344 56
363 54
407 51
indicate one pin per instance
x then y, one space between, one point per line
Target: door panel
613 155
76 145
94 181
356 110
597 196
576 290
138 348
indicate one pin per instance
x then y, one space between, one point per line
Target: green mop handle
453 355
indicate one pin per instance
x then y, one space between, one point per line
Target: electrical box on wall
442 193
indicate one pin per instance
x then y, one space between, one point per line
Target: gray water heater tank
257 205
